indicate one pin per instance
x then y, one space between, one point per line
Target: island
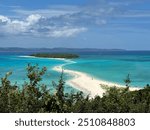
56 55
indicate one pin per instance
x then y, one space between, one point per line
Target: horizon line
72 48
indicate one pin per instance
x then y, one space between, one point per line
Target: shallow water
110 66
17 64
115 68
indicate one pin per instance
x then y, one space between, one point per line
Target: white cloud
56 21
66 32
36 25
64 21
16 26
32 19
4 19
52 11
76 15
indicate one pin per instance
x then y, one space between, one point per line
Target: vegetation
127 80
56 55
36 98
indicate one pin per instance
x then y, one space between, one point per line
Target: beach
82 81
86 83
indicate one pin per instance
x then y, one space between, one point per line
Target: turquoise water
17 64
113 67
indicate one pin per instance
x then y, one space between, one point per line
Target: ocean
112 66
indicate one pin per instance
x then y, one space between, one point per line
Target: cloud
76 15
18 26
66 31
52 11
32 19
37 25
65 20
136 14
4 19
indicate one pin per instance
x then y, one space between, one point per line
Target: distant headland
55 50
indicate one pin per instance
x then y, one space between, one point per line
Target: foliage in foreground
35 98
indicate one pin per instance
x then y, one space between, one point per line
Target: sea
112 66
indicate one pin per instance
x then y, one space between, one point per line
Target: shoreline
43 58
62 59
86 83
83 81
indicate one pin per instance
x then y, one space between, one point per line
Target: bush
35 97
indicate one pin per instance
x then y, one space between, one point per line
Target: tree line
34 97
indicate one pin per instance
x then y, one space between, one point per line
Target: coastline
83 81
86 83
62 59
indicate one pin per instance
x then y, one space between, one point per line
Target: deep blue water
107 65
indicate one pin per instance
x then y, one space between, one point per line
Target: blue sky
123 24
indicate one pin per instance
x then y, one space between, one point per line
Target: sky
105 24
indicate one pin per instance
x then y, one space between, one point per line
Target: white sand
86 83
63 59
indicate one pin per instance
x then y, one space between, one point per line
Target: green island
55 55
